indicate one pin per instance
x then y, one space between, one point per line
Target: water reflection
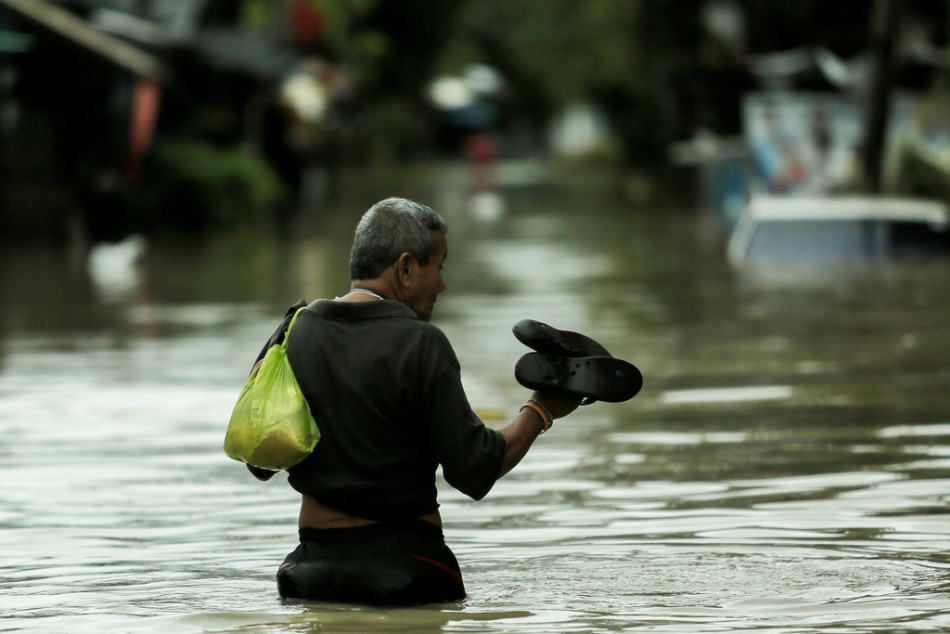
784 468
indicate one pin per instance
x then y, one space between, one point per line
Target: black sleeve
470 452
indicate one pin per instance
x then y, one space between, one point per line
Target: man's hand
556 406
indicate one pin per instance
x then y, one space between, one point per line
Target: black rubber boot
597 378
550 340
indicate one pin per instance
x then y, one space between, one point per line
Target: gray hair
390 228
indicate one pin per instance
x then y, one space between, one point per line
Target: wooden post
885 29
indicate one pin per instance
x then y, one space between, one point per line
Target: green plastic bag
271 426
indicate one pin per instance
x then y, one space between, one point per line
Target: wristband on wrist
546 419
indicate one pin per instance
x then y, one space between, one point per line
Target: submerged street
785 467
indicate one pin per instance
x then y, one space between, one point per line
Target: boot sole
596 378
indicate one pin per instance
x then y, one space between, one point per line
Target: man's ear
404 268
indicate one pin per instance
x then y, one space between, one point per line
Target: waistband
369 531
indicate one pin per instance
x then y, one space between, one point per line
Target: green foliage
619 55
564 45
255 14
345 33
392 129
639 61
202 185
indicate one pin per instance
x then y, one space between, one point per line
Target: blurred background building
123 116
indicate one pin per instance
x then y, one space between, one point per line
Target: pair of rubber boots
572 365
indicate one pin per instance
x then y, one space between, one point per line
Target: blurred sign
810 143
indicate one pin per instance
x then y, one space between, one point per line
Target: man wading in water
385 390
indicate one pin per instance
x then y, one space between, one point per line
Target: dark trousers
386 563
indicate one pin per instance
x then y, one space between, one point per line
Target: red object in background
480 151
145 105
480 148
306 22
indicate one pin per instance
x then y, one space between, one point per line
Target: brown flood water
785 467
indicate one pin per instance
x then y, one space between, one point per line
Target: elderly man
384 387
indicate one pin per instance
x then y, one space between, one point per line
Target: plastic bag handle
291 325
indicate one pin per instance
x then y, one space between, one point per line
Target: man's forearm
519 435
